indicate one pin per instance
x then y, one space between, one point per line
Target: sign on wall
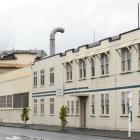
59 90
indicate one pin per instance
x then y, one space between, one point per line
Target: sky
26 24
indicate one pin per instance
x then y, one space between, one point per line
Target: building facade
15 93
93 81
16 59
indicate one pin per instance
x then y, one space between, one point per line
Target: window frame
93 104
82 68
35 107
42 77
35 84
125 60
52 107
68 71
42 106
104 64
92 67
105 106
51 75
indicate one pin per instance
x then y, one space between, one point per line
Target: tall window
124 103
139 102
104 103
93 104
42 77
139 57
35 106
68 71
9 100
72 107
51 75
77 107
68 107
35 79
125 59
42 106
92 67
51 106
82 68
104 64
21 100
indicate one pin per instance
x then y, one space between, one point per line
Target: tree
63 116
25 115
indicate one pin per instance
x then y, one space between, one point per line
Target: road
9 133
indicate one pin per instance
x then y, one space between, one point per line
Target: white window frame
104 64
35 79
72 108
68 107
139 57
42 101
93 104
125 60
68 71
35 107
52 107
77 107
51 75
42 77
139 104
124 102
92 67
82 68
105 107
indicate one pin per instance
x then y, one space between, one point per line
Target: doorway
83 111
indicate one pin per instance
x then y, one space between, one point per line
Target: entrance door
83 111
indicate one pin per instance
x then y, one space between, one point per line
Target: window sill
93 77
51 115
42 115
34 87
124 116
126 72
105 116
82 79
92 116
42 86
69 81
103 76
51 84
77 115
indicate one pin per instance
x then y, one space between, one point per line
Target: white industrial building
93 81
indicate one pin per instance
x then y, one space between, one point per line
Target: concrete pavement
10 133
80 131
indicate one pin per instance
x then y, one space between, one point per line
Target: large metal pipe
52 39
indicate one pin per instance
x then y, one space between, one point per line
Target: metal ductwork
52 39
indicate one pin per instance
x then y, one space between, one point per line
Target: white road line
13 138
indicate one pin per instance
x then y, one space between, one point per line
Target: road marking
13 138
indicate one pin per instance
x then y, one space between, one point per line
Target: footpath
79 131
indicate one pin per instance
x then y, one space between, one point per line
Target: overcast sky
26 24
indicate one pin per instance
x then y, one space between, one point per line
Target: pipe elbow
54 31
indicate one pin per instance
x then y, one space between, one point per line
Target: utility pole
138 16
93 35
130 114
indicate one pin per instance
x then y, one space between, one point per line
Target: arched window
68 71
139 57
125 59
82 68
104 64
92 67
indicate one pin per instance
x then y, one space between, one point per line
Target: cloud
27 24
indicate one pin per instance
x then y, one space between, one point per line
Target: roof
9 65
8 54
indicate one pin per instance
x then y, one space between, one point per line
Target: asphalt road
9 133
